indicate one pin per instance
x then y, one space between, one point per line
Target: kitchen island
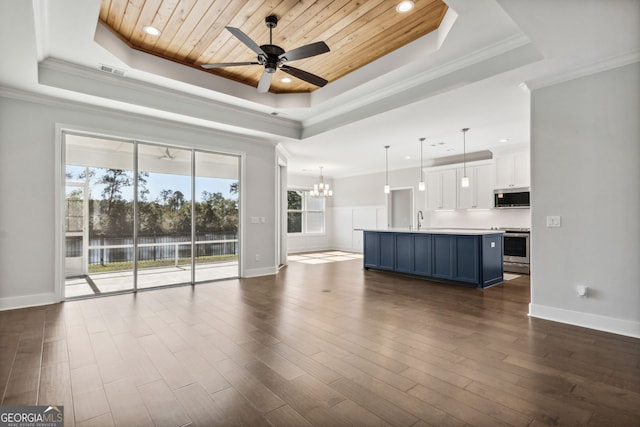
461 256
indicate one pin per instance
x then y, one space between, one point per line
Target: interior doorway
282 214
400 208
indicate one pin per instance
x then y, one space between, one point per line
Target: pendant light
321 189
464 182
421 182
387 189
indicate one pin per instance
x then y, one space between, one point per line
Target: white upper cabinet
479 193
441 189
513 170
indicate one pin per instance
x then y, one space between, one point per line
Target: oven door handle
515 235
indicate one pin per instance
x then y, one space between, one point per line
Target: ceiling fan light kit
273 57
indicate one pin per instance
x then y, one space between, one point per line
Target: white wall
28 184
359 202
585 147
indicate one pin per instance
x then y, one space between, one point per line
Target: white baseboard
310 249
347 249
24 301
586 320
257 272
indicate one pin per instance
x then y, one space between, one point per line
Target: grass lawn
125 266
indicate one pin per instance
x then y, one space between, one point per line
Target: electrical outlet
257 257
582 290
554 221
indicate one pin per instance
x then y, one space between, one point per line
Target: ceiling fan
273 57
167 155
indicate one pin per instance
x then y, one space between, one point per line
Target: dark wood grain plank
378 349
127 406
162 405
199 406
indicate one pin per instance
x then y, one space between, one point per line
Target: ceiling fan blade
227 64
265 82
304 75
305 51
246 40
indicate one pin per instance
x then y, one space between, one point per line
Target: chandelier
321 189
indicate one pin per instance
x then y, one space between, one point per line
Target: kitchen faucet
420 216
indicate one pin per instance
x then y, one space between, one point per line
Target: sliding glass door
164 216
140 216
99 181
216 215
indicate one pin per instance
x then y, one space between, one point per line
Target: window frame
305 211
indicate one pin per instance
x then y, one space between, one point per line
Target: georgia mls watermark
31 416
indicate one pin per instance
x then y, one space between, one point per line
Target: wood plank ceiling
193 32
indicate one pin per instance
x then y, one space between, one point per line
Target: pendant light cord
421 157
386 148
464 150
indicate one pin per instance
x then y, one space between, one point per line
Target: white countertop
460 231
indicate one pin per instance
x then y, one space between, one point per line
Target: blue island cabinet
379 250
474 259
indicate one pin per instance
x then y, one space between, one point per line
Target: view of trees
294 214
305 213
170 213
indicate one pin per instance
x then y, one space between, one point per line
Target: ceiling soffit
193 32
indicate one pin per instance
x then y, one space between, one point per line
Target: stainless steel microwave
511 198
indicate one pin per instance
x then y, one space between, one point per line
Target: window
305 213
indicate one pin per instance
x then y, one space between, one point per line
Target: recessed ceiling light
152 31
407 157
503 140
285 80
404 6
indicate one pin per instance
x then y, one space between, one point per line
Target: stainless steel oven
516 250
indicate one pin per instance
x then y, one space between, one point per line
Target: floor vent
111 70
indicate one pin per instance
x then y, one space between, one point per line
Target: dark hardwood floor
326 345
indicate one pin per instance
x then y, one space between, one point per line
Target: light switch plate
554 221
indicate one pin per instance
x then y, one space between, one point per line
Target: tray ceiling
193 32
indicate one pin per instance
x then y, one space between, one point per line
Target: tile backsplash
515 218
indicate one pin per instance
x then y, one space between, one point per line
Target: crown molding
425 75
583 70
64 75
446 78
56 102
